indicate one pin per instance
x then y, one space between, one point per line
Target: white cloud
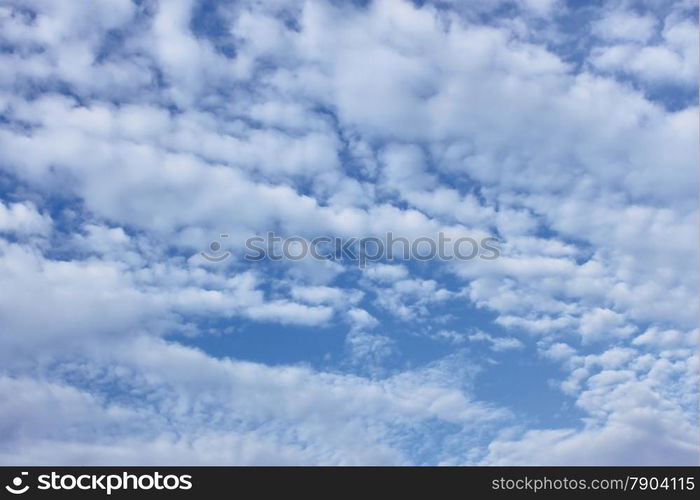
497 344
335 418
128 142
634 439
386 272
23 218
599 323
673 61
626 26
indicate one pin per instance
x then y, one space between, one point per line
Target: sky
135 133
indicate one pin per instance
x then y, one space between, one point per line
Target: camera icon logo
16 488
215 247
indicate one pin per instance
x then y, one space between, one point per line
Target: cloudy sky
134 133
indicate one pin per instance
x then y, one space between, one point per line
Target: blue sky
133 134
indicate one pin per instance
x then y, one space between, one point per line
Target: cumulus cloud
133 134
23 219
